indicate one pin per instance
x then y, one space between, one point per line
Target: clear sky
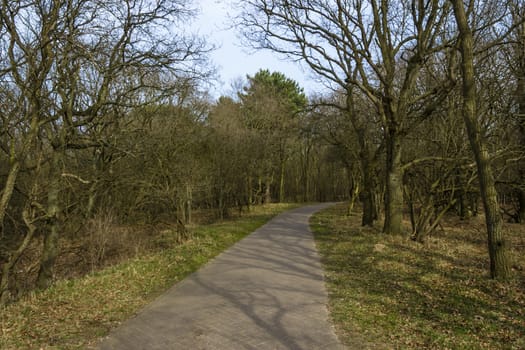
233 61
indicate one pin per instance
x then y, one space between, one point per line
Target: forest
106 121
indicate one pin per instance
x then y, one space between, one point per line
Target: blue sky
235 62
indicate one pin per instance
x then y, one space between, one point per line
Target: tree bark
15 256
249 192
259 197
221 200
281 180
7 192
394 186
354 193
519 21
50 249
521 102
367 195
497 245
369 206
188 203
305 165
267 191
15 165
521 205
465 211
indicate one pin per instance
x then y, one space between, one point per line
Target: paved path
266 292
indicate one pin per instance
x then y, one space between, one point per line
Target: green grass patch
73 314
388 292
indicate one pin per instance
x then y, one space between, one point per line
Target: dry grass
390 292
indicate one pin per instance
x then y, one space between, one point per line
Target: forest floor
75 312
392 293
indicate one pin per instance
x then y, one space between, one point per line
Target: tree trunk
7 192
188 204
521 101
249 192
306 173
15 256
521 205
367 195
267 191
259 198
98 169
92 197
465 212
221 203
520 97
181 211
497 246
50 249
353 191
281 181
394 187
367 199
411 211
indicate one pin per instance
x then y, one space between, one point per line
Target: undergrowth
392 293
75 313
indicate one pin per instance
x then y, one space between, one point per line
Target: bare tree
378 47
518 50
348 122
74 67
499 264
